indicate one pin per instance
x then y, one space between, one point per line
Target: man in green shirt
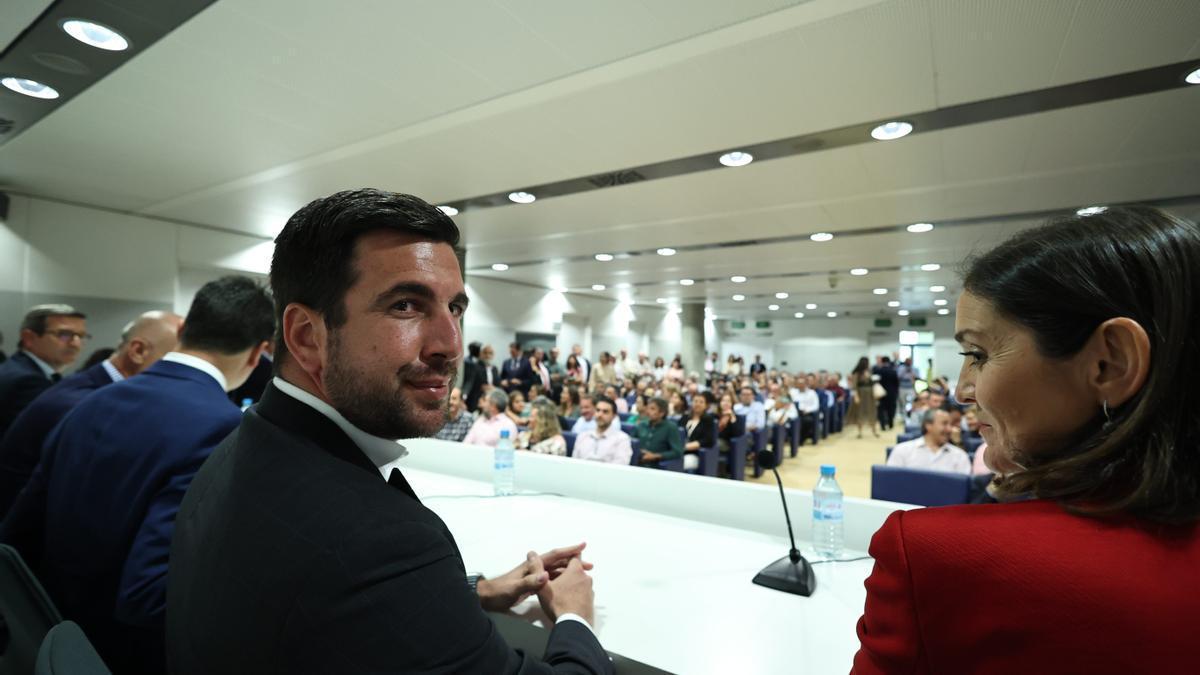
658 436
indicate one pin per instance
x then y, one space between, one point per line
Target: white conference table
672 592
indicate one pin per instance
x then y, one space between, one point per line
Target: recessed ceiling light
810 306
880 291
832 315
937 289
597 287
500 267
1193 77
943 311
522 197
940 302
903 312
781 296
31 88
604 257
799 315
894 303
738 297
738 279
661 301
95 35
448 210
821 236
890 131
860 271
666 250
918 228
736 158
1091 210
773 308
686 282
930 267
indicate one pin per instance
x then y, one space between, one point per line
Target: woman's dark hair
677 362
659 362
572 362
863 365
314 261
1061 281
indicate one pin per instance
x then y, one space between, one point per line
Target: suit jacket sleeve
394 598
24 528
889 635
26 388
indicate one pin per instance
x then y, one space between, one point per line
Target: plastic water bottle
827 527
503 478
246 403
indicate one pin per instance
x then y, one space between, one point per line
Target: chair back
908 436
623 416
915 486
635 459
67 651
26 611
570 439
566 422
630 429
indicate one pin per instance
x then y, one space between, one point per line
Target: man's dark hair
228 316
597 400
314 261
35 318
474 349
1063 280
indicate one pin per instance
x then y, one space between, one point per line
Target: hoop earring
1107 416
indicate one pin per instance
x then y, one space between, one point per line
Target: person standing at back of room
51 338
96 519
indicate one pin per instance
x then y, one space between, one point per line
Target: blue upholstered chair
915 486
570 439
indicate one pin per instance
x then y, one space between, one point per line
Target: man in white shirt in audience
933 451
606 443
584 363
755 413
486 430
782 411
587 415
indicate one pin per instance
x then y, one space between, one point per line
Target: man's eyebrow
419 290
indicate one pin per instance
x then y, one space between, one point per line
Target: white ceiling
254 107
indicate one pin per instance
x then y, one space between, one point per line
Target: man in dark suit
292 553
491 373
143 342
51 338
758 366
97 517
474 376
890 382
254 386
516 373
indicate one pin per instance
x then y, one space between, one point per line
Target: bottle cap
504 433
247 401
828 470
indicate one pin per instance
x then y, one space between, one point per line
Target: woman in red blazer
1081 345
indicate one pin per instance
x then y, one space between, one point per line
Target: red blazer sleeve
888 632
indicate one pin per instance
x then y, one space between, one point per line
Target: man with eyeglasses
51 338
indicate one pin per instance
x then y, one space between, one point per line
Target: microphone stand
792 573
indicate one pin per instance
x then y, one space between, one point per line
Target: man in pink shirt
486 430
605 443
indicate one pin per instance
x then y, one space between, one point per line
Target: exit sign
916 322
762 324
883 323
738 324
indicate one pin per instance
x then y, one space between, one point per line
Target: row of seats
33 636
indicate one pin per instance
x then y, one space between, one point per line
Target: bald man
144 341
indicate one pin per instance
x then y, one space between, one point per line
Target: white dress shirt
47 370
381 451
916 454
583 425
806 400
782 415
612 446
112 371
756 414
200 365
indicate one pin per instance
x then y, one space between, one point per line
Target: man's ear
139 351
1118 361
306 338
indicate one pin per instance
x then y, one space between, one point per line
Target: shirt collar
380 451
112 370
47 369
199 364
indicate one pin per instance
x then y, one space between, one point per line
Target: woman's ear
1118 361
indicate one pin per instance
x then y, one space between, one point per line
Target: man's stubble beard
377 404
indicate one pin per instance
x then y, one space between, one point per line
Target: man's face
388 369
939 428
747 397
554 355
655 413
577 350
487 354
604 416
936 400
59 345
587 408
456 402
513 351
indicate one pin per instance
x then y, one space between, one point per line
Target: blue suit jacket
21 380
21 447
97 517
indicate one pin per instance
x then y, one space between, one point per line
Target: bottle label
827 511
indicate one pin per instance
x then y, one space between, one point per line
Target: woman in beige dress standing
862 410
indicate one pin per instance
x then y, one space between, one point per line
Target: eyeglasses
67 335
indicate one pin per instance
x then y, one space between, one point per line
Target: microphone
792 573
